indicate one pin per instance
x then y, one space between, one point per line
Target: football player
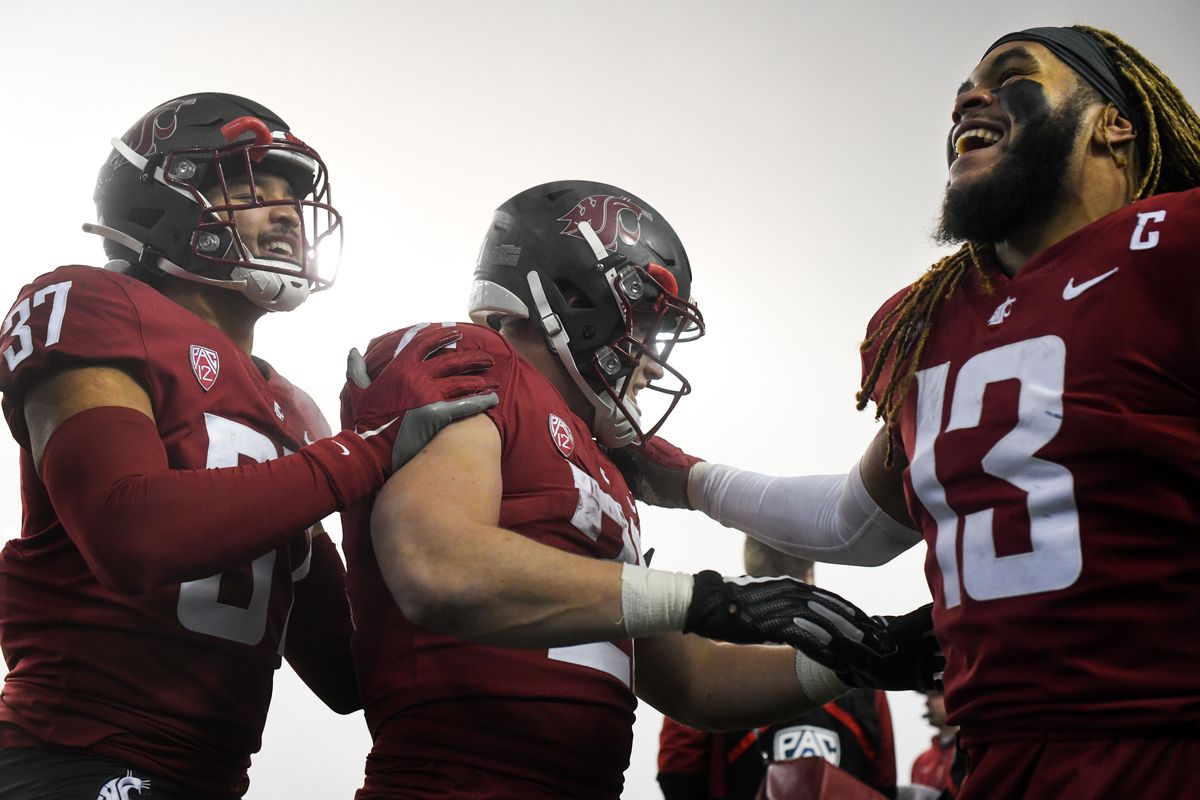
1040 394
501 570
173 484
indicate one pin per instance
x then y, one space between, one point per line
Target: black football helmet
608 282
163 202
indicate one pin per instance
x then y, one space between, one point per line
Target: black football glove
916 663
822 625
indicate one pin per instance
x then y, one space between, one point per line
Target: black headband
1086 56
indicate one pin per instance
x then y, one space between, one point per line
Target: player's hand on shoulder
657 472
745 610
916 661
421 384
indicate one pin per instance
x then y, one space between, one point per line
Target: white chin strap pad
611 427
272 290
614 428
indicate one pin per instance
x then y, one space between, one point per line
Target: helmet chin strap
269 290
610 425
613 423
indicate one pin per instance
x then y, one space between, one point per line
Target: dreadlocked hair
1170 152
1171 147
905 330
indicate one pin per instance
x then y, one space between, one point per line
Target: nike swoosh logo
1071 291
345 450
377 431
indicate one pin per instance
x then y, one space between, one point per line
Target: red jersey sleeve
70 317
318 644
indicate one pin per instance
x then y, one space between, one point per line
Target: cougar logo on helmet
124 788
160 123
612 218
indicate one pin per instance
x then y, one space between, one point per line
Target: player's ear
1114 133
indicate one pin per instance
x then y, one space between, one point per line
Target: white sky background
797 148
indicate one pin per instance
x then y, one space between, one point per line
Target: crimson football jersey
176 680
1052 434
559 718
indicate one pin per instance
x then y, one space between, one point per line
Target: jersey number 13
1055 559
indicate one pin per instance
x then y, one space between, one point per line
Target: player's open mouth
279 247
975 138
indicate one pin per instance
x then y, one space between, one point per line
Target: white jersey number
199 608
17 322
593 507
1056 559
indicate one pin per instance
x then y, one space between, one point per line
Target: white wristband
818 682
653 600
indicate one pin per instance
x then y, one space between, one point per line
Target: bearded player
172 483
499 579
1042 401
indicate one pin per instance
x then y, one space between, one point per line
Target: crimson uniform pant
1083 769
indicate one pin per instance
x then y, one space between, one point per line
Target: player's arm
713 686
709 685
140 524
858 518
320 627
451 568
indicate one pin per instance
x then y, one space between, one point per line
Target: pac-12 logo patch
205 365
560 432
804 741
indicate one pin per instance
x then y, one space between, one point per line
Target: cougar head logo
120 788
614 219
161 123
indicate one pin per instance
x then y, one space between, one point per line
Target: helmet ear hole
146 217
573 296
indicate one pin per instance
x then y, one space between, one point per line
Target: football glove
822 625
424 388
390 416
656 471
916 662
